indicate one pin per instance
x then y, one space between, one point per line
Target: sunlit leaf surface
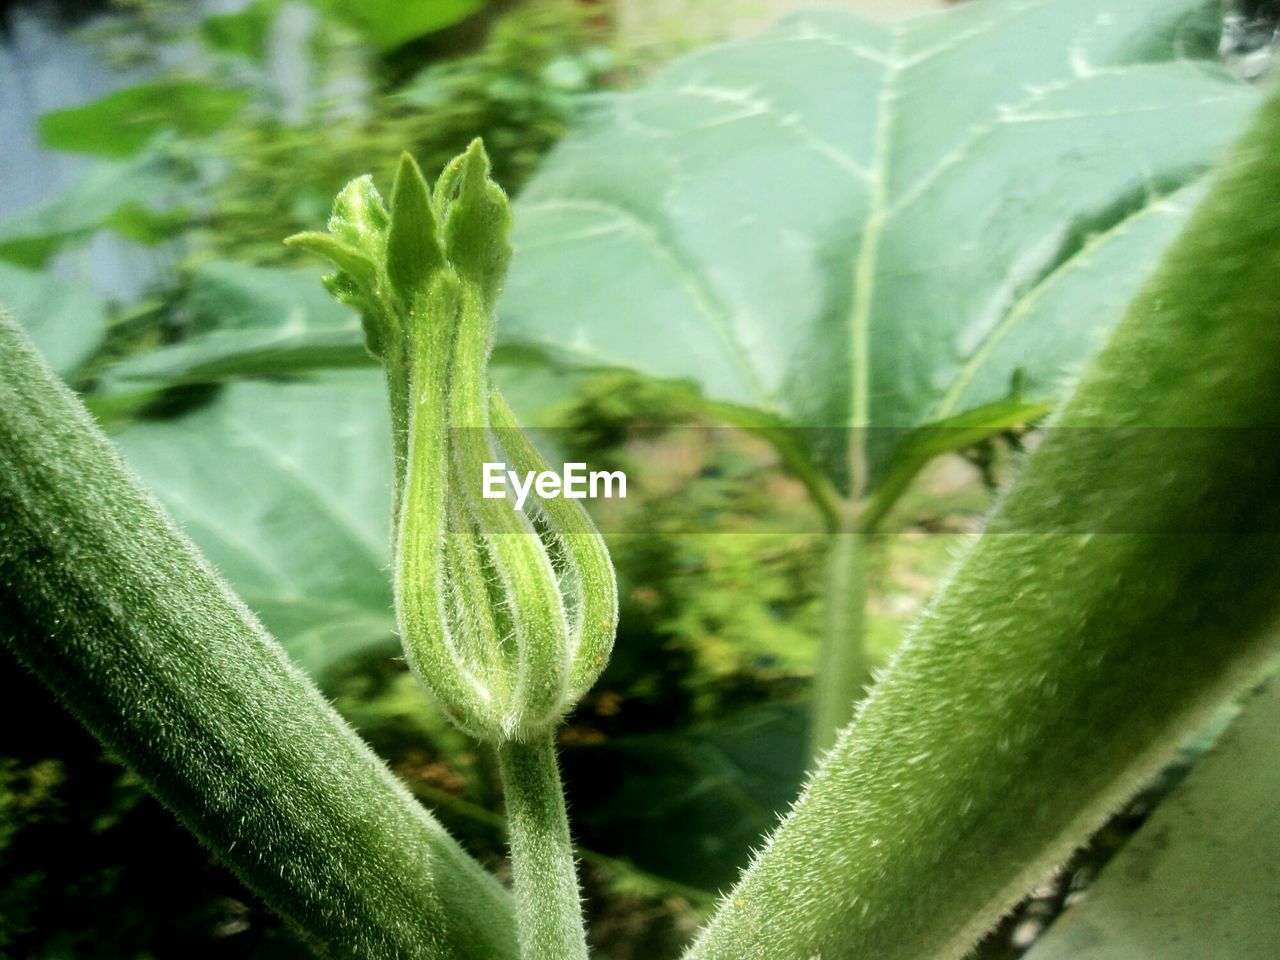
854 224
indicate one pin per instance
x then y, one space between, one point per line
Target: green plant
1080 638
924 311
506 622
173 673
1116 596
811 173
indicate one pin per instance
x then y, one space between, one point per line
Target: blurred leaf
146 226
286 489
689 805
111 194
249 321
66 321
122 123
228 295
285 485
253 352
276 322
1199 879
389 23
244 33
849 223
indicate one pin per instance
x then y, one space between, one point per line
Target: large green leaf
123 122
286 489
845 224
65 320
849 224
389 23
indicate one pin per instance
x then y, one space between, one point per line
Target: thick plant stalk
548 902
841 672
1129 581
112 607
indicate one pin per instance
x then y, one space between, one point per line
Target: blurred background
153 155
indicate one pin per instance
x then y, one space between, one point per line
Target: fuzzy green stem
842 664
1127 583
105 600
548 902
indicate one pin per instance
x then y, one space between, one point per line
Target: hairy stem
841 673
548 902
114 609
1128 582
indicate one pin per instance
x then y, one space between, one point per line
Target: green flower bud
507 616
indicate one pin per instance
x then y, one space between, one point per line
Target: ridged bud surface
507 616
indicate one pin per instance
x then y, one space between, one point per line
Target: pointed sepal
414 250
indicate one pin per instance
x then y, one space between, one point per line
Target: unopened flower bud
507 616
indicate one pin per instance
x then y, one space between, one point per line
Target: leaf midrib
878 214
864 272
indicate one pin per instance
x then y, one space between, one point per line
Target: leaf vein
327 501
758 106
1021 308
690 282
